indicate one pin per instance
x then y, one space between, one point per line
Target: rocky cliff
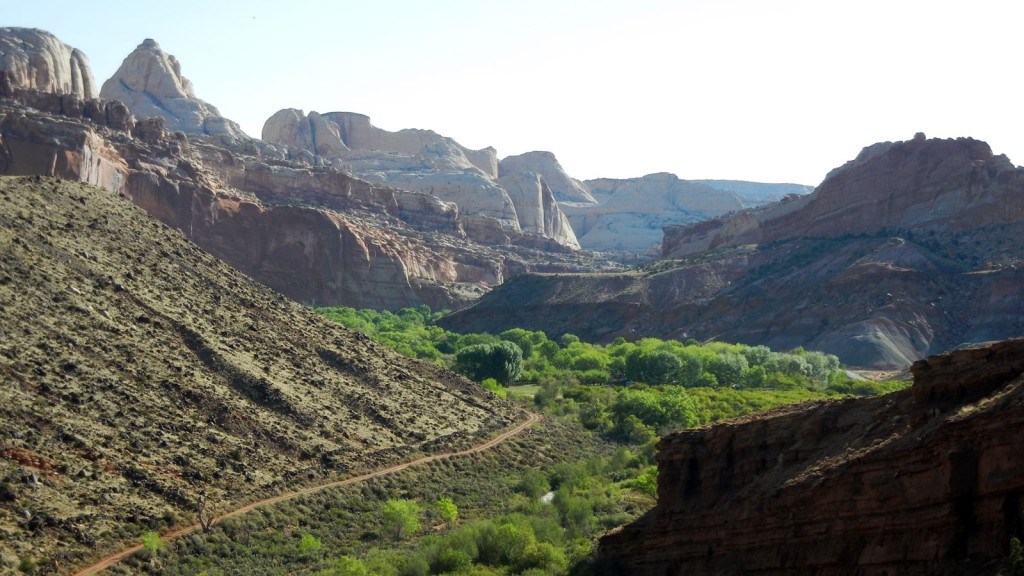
921 184
628 215
37 60
856 270
925 481
424 161
150 83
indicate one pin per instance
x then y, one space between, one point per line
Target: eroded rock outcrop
37 60
424 161
316 234
150 83
925 481
546 166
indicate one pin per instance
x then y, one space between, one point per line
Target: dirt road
117 557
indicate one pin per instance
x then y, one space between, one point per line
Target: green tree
153 544
401 517
309 545
448 511
502 361
349 566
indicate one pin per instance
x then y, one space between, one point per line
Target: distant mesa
37 60
150 83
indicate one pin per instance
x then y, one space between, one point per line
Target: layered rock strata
920 184
912 250
925 481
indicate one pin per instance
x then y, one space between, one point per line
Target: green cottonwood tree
502 361
401 517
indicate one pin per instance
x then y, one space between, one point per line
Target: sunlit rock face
424 161
150 83
909 250
37 60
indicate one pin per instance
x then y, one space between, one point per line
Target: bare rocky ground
141 376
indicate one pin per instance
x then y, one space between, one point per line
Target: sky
767 91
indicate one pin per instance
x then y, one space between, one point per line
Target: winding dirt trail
118 556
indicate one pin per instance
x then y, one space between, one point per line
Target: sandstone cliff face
37 60
925 481
627 216
150 83
546 166
424 161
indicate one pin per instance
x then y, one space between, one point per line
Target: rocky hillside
312 231
925 481
140 374
910 250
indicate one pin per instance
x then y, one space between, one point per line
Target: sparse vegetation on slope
142 377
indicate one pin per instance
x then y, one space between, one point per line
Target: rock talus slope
140 373
925 481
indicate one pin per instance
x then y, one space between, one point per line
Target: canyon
911 249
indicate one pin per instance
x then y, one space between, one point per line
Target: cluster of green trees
524 356
627 391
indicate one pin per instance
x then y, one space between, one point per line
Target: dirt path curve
117 557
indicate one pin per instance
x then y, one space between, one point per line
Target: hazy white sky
771 91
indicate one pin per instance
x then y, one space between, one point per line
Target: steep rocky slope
911 250
925 481
141 375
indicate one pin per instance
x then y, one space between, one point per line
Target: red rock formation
925 481
918 184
